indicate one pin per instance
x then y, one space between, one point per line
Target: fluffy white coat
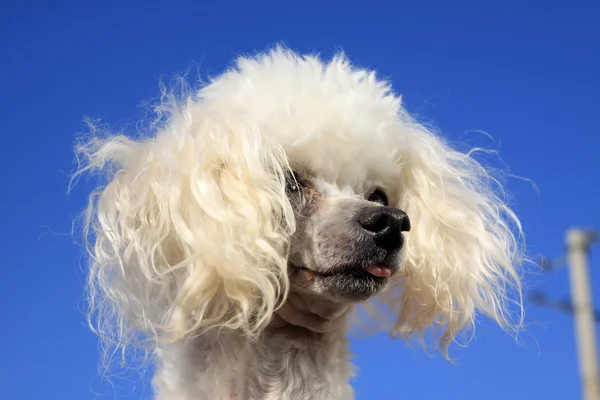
190 234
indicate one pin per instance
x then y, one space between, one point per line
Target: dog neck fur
312 313
305 342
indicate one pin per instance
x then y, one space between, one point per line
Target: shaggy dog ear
190 231
461 254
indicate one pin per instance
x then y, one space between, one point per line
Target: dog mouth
375 271
354 282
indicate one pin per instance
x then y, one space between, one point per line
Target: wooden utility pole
578 245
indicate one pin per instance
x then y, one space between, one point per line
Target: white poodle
271 206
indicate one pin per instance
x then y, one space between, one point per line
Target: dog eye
292 183
378 196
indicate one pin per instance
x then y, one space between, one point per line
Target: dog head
286 174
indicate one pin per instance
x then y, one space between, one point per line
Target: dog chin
351 283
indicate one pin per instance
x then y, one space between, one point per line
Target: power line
566 306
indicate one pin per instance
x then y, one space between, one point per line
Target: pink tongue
379 271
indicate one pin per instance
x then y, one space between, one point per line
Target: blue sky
524 72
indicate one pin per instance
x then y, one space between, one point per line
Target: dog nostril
405 226
376 223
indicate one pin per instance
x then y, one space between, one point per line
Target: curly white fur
190 236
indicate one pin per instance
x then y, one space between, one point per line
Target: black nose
386 224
